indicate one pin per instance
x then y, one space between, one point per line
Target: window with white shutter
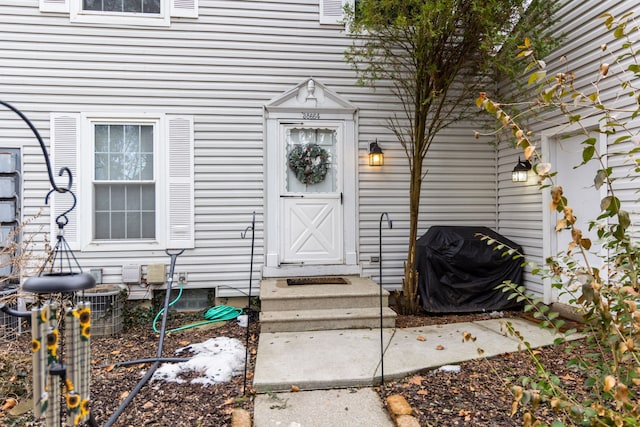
123 12
133 176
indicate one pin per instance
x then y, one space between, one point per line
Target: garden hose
218 313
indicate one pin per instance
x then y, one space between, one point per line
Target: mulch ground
478 395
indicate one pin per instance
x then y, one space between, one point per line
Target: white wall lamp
376 156
521 171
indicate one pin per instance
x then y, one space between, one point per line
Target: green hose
218 313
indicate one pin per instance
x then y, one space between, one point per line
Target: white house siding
222 68
521 207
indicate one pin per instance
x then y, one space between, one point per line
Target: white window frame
77 14
86 181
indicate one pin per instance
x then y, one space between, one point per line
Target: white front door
311 194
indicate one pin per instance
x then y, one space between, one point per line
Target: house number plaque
310 116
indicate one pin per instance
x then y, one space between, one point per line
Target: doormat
317 281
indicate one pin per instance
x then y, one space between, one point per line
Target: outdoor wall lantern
376 156
521 171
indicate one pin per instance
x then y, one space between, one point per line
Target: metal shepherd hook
390 224
252 227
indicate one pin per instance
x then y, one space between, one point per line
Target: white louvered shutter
59 6
180 182
65 137
332 11
184 8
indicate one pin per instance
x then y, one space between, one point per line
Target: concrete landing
351 358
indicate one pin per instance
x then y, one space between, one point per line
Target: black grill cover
458 272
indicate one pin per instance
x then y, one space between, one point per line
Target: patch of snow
216 360
454 369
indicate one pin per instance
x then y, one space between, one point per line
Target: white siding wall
520 205
222 68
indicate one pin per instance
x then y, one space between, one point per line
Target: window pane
133 225
146 166
132 6
146 139
131 139
117 198
151 6
116 138
102 138
101 198
102 226
133 197
116 167
148 225
117 225
148 197
131 167
92 5
112 5
102 166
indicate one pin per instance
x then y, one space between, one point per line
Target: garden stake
390 224
252 227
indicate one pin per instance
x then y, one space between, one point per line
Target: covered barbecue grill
458 272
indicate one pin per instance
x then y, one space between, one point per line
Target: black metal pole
252 227
390 224
158 359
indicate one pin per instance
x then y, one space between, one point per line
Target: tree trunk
410 282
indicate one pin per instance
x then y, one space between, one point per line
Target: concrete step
326 319
276 295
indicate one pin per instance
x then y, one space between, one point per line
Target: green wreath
309 162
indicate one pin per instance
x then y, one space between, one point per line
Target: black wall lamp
376 156
521 171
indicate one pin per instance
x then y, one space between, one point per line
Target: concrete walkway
349 359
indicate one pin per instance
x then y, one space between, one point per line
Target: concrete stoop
317 307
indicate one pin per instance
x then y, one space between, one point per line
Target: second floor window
124 6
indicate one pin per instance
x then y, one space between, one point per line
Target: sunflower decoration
309 162
85 317
52 342
86 332
84 407
35 345
44 314
73 399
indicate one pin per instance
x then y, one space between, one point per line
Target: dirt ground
477 396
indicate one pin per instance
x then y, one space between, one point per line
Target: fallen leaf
124 395
416 380
147 406
8 404
115 352
295 388
439 347
421 338
228 401
109 368
422 392
184 343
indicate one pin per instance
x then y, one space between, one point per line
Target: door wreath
309 162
